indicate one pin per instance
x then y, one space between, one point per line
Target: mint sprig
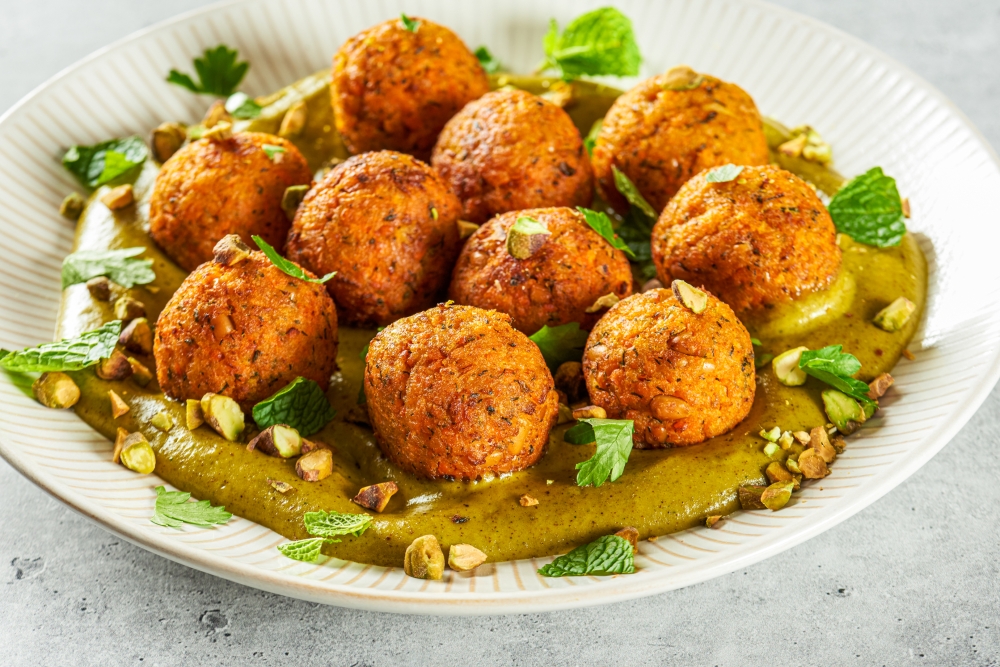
409 24
113 161
173 510
490 64
219 72
560 344
601 224
607 555
869 210
307 550
723 174
836 368
301 405
637 225
600 42
325 526
290 268
69 354
613 438
117 265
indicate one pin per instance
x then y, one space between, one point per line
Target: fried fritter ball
215 187
393 88
682 377
511 150
387 224
556 285
456 392
761 239
660 134
244 331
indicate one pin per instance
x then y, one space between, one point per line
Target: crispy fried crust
660 138
211 188
760 240
556 285
456 392
278 328
682 377
511 150
395 89
386 223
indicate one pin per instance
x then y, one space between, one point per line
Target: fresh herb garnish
301 405
242 106
173 510
69 354
609 554
307 550
723 174
601 224
117 160
290 268
271 150
600 42
560 344
325 525
869 210
628 189
490 64
219 73
637 225
614 445
408 23
836 368
117 265
364 350
591 139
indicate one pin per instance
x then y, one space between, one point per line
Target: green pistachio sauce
660 492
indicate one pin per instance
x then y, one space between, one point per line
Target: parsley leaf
117 265
410 24
836 368
69 354
601 224
609 554
614 445
723 174
490 64
242 106
173 510
560 344
869 210
596 43
331 524
271 150
301 405
290 268
116 160
591 139
219 73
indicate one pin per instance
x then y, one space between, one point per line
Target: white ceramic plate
871 109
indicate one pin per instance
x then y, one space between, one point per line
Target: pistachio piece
466 229
772 450
786 440
193 416
526 237
651 284
292 199
820 441
569 379
802 437
681 77
216 114
118 405
294 120
750 497
776 472
119 197
137 336
128 309
565 414
878 386
559 93
777 495
313 445
141 375
162 421
528 501
224 415
772 435
465 557
424 558
793 147
714 521
137 454
894 317
114 368
278 440
631 534
279 486
839 444
167 139
56 390
230 250
315 466
72 206
219 132
376 496
119 443
100 288
812 464
843 411
786 367
605 301
793 466
690 296
590 412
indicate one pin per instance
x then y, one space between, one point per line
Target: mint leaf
242 106
307 550
408 23
601 224
219 73
637 225
560 344
627 188
271 150
606 555
529 226
597 43
869 210
117 265
69 354
331 524
723 174
173 510
116 160
490 64
591 139
290 268
614 445
836 368
364 350
301 405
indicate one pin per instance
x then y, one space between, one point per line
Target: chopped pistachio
750 497
219 132
114 368
137 454
565 415
193 416
292 199
279 486
605 301
120 439
465 557
376 496
894 317
839 444
119 197
690 296
315 466
631 534
56 390
786 367
786 440
224 415
810 145
118 405
878 386
714 521
72 206
669 408
651 284
776 472
162 421
550 482
128 309
568 378
843 411
528 501
167 139
590 412
216 114
777 495
793 147
313 445
772 450
793 466
141 375
137 336
466 229
526 237
772 435
681 77
802 437
294 120
424 558
230 250
560 94
100 288
812 464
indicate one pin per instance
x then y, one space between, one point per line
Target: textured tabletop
913 579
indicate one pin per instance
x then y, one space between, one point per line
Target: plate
872 110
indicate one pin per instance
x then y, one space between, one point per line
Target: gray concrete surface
911 580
